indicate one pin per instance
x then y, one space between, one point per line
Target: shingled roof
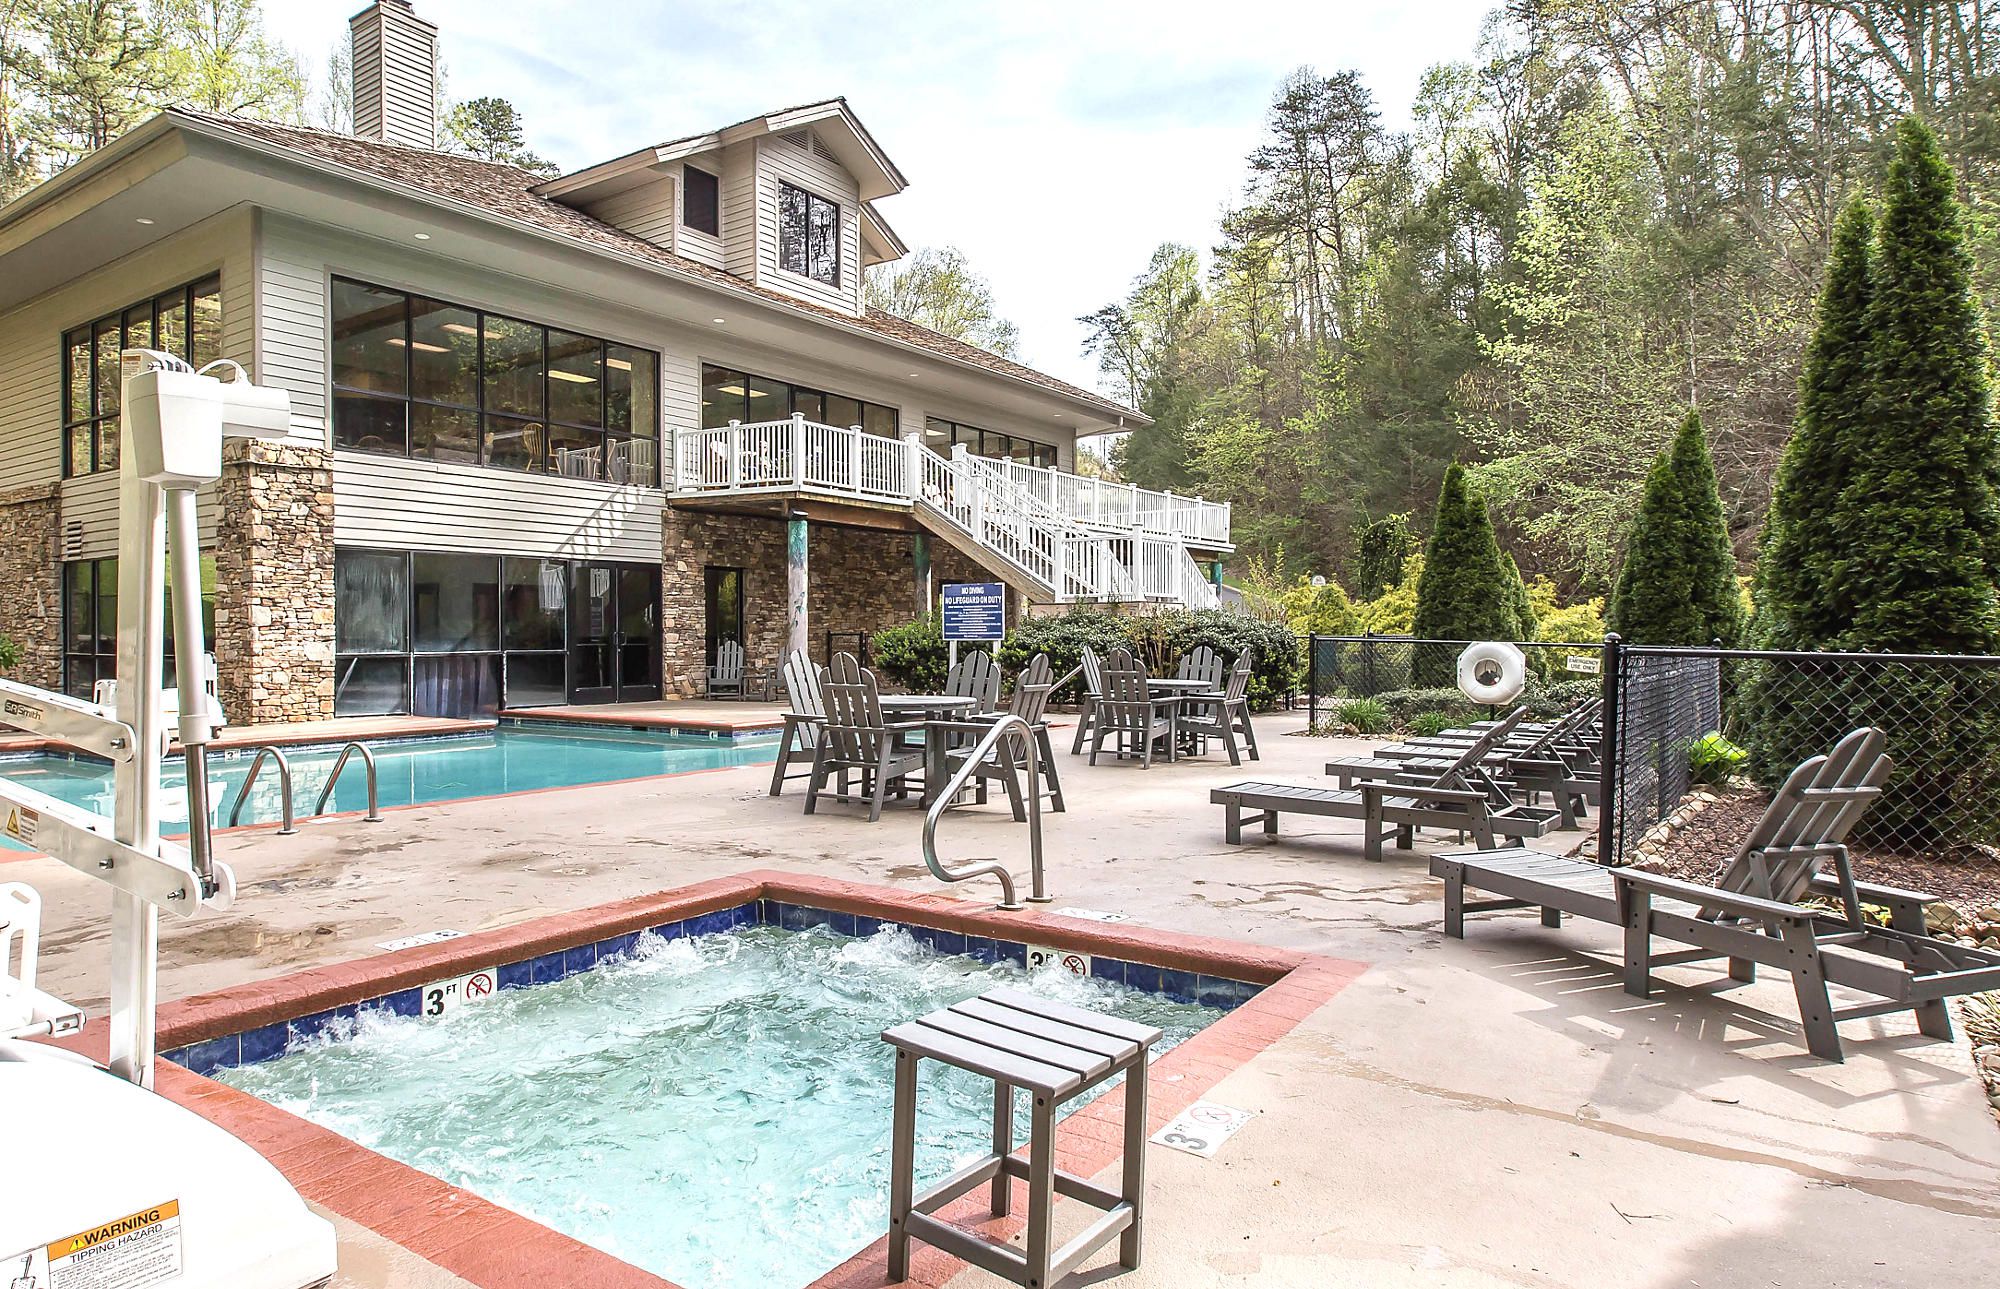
508 192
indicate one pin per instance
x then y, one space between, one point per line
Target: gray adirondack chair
1030 702
1090 670
1128 713
1224 715
1753 915
976 676
726 675
855 738
1201 663
1449 798
804 719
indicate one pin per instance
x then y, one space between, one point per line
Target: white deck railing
1080 538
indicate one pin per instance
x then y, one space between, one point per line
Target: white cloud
1056 144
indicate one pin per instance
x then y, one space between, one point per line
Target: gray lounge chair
1448 799
1754 914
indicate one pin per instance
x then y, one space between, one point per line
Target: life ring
1492 672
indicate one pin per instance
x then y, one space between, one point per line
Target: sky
1056 144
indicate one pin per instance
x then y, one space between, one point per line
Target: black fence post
1312 680
1608 774
1369 687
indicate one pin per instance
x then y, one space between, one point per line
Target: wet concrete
1492 1112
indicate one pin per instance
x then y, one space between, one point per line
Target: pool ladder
288 826
1008 726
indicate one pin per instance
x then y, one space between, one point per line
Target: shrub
10 654
1394 612
913 655
1277 664
1406 705
1063 639
1714 759
1425 724
1573 624
1319 610
1365 714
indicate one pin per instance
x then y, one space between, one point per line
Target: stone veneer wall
31 580
274 582
860 580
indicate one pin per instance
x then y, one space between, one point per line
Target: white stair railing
1073 538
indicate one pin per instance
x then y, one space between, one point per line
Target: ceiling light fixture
460 329
620 364
422 237
718 321
573 378
142 220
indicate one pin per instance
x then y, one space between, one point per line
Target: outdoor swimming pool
714 1109
511 758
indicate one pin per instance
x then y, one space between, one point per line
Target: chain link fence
1941 713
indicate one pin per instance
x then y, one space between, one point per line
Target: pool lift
116 1185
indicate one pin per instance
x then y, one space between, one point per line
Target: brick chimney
395 75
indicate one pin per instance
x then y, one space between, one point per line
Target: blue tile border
268 1041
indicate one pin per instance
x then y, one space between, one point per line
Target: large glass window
90 364
90 622
940 435
737 396
701 201
808 234
444 634
424 378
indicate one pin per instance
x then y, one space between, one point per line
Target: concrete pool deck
1492 1112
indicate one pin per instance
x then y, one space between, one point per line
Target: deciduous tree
936 287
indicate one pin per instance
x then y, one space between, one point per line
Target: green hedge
1544 702
914 654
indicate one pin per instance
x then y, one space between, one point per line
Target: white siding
781 162
425 505
395 77
31 360
649 211
740 233
421 505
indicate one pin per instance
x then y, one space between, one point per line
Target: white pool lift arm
172 423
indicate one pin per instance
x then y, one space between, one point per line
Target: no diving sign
130 1252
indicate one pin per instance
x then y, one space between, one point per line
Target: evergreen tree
1678 583
1796 608
1921 532
1517 591
1381 548
1465 591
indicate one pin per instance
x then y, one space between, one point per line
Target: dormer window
808 235
701 201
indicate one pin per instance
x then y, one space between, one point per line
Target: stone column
920 567
798 539
274 631
31 581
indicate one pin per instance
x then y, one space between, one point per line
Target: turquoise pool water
512 758
714 1109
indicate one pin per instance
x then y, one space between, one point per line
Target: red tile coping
485 1244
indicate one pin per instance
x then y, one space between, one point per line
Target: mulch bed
1968 878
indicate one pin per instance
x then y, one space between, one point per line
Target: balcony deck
761 466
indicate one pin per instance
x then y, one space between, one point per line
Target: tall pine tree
1918 513
1803 535
1678 583
1466 591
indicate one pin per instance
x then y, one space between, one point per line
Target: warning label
21 824
139 1249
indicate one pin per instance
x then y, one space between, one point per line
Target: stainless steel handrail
284 787
1006 725
374 815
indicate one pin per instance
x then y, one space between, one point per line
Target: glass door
638 632
614 646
